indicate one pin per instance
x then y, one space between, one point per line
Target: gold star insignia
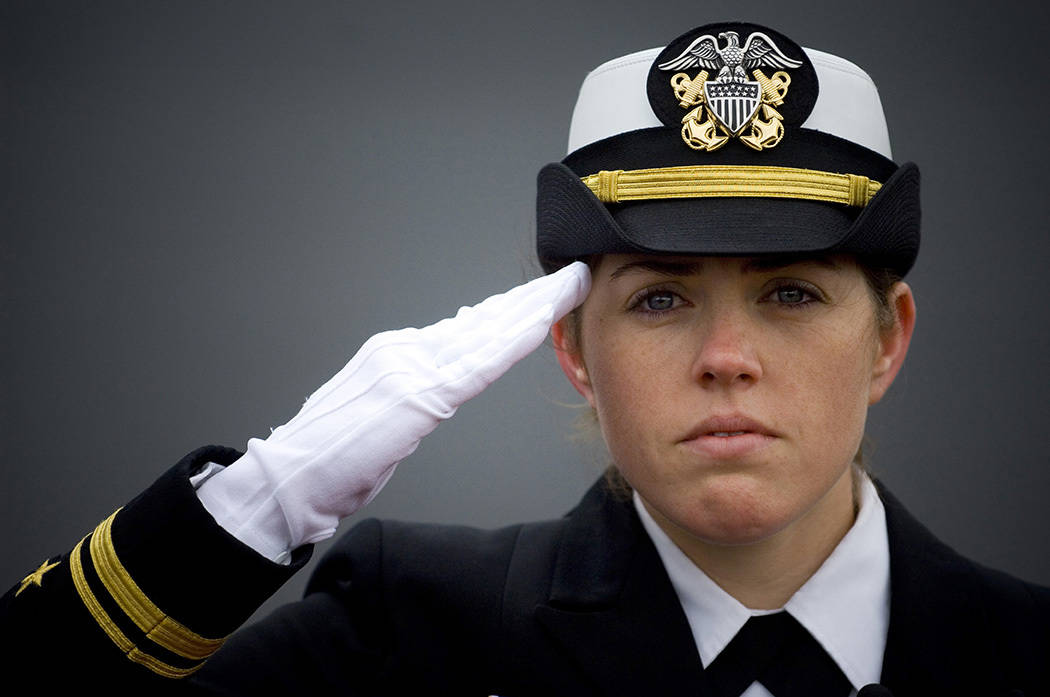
36 577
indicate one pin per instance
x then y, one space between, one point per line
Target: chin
739 514
732 529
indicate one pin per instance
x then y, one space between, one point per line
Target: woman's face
732 392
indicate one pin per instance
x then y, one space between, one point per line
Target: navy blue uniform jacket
575 606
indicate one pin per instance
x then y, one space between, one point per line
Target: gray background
209 206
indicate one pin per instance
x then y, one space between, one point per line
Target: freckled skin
727 338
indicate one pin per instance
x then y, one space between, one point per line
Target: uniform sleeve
144 599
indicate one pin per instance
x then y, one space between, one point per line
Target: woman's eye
659 301
655 302
791 296
794 295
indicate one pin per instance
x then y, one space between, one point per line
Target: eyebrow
667 267
780 261
663 267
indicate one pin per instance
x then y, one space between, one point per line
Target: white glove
341 448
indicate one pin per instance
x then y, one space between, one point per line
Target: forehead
614 266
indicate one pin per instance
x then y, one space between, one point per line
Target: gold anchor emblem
730 105
703 130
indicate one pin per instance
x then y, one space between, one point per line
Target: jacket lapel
612 608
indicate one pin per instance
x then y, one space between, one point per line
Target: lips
729 436
729 426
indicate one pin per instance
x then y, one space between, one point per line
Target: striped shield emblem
733 103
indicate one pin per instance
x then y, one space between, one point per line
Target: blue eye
791 296
795 294
659 301
655 302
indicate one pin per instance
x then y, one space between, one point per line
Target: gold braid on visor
710 181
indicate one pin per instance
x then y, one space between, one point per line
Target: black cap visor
572 223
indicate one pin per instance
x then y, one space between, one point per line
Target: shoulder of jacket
392 552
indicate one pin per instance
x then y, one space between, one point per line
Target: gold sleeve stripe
157 626
111 629
709 181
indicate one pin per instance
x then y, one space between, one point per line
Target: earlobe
571 360
893 342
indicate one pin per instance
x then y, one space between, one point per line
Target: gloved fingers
356 401
398 371
400 350
377 343
572 289
566 288
369 435
471 328
402 376
473 372
544 304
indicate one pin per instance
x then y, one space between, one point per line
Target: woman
732 394
744 232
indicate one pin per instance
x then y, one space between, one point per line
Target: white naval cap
730 140
613 100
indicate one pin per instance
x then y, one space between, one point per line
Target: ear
571 360
893 342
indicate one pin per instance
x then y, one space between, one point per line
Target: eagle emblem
730 105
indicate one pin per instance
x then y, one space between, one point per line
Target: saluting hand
341 448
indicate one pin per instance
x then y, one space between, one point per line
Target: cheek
633 376
831 384
613 367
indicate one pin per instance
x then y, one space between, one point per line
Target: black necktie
778 652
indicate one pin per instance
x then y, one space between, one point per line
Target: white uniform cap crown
613 100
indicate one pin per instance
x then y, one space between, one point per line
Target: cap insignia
730 105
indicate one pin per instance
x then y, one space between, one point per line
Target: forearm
146 597
155 589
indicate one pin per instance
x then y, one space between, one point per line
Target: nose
726 354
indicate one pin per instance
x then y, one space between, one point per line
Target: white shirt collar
845 605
